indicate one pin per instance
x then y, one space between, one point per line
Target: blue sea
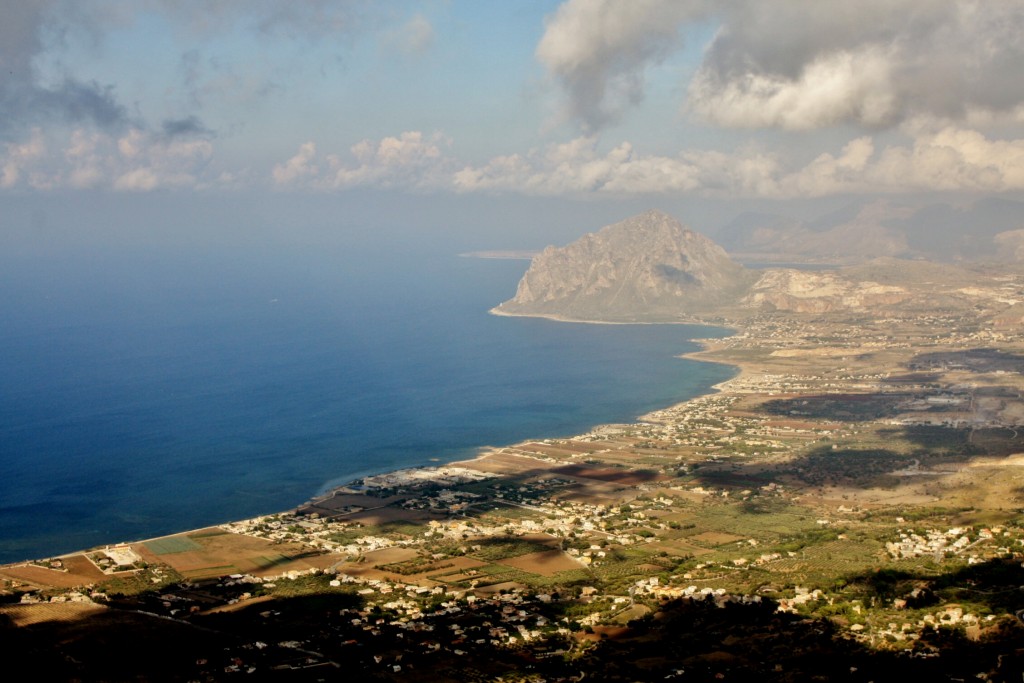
152 388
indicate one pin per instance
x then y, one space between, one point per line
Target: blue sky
646 100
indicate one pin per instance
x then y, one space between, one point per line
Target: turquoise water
153 390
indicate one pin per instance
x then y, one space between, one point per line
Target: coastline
482 452
584 321
759 490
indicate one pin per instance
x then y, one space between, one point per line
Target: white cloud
577 168
935 157
18 157
796 64
298 167
954 159
804 65
89 158
410 160
414 37
946 159
833 89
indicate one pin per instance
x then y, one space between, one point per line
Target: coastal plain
849 506
864 475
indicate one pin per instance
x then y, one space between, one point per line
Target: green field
172 544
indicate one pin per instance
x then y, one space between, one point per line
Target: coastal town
863 477
571 341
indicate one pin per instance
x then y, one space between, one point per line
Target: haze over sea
153 389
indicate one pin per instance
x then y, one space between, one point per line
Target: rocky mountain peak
649 266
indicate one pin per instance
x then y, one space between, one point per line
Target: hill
648 267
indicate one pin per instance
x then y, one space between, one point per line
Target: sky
535 103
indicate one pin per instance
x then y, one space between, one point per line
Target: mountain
985 230
648 267
944 232
651 268
854 233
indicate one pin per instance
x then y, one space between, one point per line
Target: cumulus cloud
598 50
936 159
17 158
410 160
298 167
836 88
795 64
951 159
414 37
578 168
873 63
136 160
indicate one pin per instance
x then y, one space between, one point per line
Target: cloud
794 64
598 50
24 102
88 158
414 37
411 161
840 87
874 63
934 157
298 167
936 160
34 29
190 125
19 157
950 158
298 19
578 168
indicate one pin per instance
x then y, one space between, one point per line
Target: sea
149 389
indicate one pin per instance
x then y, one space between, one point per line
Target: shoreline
485 451
583 321
482 452
760 489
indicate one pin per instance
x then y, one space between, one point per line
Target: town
861 476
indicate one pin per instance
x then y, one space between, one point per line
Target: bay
149 390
